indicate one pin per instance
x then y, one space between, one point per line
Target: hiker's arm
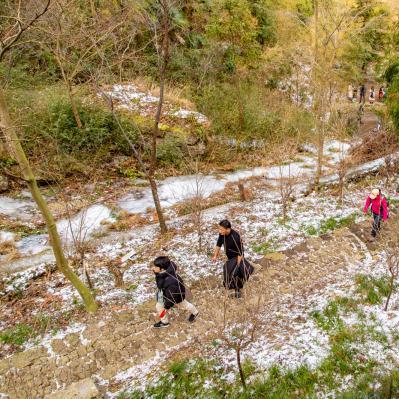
219 244
239 259
216 253
366 206
168 300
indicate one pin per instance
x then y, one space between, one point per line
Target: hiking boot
237 294
192 317
161 325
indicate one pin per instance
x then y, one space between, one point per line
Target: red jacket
376 205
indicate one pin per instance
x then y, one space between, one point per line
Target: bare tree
9 40
160 27
241 325
162 43
81 244
73 39
196 207
117 269
245 193
391 246
393 269
286 189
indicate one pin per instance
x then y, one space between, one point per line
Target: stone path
108 346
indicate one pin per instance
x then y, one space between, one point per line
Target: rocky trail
108 354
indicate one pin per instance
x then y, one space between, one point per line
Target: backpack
381 209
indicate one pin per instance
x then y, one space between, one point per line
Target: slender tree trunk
93 9
157 202
317 97
320 151
67 82
155 133
242 376
391 283
73 105
17 151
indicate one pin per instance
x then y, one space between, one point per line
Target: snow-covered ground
132 99
17 208
306 344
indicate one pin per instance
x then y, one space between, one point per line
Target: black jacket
171 285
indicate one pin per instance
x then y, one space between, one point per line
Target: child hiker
379 209
171 291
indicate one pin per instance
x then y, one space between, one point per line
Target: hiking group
353 94
172 292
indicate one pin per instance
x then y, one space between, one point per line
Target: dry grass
8 249
375 145
127 221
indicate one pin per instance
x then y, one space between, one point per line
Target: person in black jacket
171 291
237 269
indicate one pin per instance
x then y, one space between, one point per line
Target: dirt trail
369 122
107 347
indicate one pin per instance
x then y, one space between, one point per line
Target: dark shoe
161 325
192 317
237 294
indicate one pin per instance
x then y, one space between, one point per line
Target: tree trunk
75 111
73 106
157 202
239 365
93 9
316 97
17 151
389 294
320 150
163 64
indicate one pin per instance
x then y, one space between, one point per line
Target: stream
35 248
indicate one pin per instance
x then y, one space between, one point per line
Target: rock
193 139
3 184
197 150
59 346
84 389
108 372
124 316
73 339
4 366
275 257
23 359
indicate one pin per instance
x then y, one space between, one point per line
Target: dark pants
234 275
376 224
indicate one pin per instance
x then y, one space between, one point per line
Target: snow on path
304 343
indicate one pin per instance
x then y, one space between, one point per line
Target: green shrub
171 150
240 111
372 290
332 223
311 230
264 248
17 335
99 129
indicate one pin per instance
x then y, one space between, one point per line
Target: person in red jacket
379 209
